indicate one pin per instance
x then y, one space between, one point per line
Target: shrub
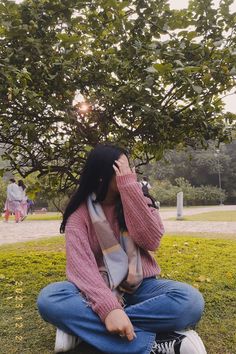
166 193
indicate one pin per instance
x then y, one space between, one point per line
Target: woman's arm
143 222
82 269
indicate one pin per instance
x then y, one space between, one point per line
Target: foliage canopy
151 77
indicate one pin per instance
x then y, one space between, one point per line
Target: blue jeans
156 306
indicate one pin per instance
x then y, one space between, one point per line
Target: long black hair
21 184
95 177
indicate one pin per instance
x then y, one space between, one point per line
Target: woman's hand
122 166
118 322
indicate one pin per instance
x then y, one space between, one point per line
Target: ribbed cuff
106 307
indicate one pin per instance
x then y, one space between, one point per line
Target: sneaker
65 341
181 342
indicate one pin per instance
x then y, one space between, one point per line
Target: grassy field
42 216
229 215
208 264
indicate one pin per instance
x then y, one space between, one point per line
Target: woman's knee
48 298
44 300
197 305
192 306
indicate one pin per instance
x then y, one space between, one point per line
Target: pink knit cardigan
84 254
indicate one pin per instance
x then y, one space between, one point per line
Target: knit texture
84 255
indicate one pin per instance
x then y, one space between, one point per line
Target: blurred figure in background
23 198
145 185
145 188
12 205
30 206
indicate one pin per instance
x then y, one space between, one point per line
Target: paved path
199 226
223 227
166 214
28 230
31 230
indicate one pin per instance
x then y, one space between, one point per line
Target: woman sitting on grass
114 299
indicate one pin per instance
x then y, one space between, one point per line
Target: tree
199 167
151 77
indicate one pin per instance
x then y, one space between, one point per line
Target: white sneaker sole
192 341
65 341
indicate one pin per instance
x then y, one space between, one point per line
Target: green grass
229 215
208 235
41 217
208 264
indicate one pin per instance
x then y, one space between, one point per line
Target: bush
166 193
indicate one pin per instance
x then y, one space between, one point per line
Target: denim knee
45 300
197 304
43 304
51 299
191 308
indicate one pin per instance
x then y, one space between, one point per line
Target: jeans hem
150 344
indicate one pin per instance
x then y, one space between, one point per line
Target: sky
180 4
230 101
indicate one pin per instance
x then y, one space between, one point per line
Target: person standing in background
30 206
13 201
23 198
145 185
145 188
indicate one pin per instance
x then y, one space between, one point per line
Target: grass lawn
38 216
208 264
229 215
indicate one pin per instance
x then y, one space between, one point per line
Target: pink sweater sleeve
143 222
82 269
